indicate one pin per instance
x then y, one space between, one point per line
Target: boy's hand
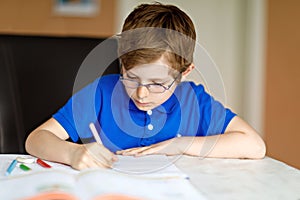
92 155
174 146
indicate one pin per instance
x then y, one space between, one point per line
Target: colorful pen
11 167
42 163
24 167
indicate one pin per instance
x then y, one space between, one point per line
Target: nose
142 92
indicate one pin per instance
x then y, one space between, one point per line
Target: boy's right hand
92 155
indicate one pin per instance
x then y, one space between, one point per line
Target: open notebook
148 177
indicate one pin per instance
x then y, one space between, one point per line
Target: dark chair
37 77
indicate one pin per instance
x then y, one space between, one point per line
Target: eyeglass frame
149 84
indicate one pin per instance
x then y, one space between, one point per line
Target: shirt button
149 112
150 127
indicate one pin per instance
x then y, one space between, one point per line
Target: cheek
129 91
160 99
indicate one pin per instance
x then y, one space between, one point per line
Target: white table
242 179
230 178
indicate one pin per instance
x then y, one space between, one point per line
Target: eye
159 83
131 77
162 82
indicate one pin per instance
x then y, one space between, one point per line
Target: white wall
254 90
221 27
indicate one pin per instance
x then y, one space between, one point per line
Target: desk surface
234 178
242 179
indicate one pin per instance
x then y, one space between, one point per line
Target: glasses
152 87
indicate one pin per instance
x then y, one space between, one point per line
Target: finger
130 151
110 156
101 154
148 151
88 161
121 152
99 159
96 160
83 166
94 164
137 150
80 166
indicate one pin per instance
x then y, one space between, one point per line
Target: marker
42 163
24 167
11 167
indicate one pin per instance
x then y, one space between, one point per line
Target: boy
147 109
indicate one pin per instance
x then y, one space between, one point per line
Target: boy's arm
240 140
48 142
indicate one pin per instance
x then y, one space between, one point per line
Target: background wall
35 17
282 81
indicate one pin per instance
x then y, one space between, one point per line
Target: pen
42 163
95 133
11 167
24 167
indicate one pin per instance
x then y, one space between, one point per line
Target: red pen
42 163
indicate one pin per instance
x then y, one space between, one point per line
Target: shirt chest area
127 128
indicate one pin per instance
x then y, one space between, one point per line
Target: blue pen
11 167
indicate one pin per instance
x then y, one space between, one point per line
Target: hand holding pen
93 155
103 154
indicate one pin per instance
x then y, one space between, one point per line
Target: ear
122 69
188 70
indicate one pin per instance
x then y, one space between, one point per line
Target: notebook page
150 166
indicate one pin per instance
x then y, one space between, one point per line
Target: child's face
159 75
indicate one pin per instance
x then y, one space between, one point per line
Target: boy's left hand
174 146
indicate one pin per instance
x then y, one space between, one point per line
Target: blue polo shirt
190 111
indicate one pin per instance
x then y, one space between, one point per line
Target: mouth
141 104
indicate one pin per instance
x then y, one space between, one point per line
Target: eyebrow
152 79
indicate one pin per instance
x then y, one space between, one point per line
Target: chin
145 108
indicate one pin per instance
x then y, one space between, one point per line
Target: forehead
152 70
159 69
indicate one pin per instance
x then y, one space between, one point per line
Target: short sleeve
214 117
80 110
